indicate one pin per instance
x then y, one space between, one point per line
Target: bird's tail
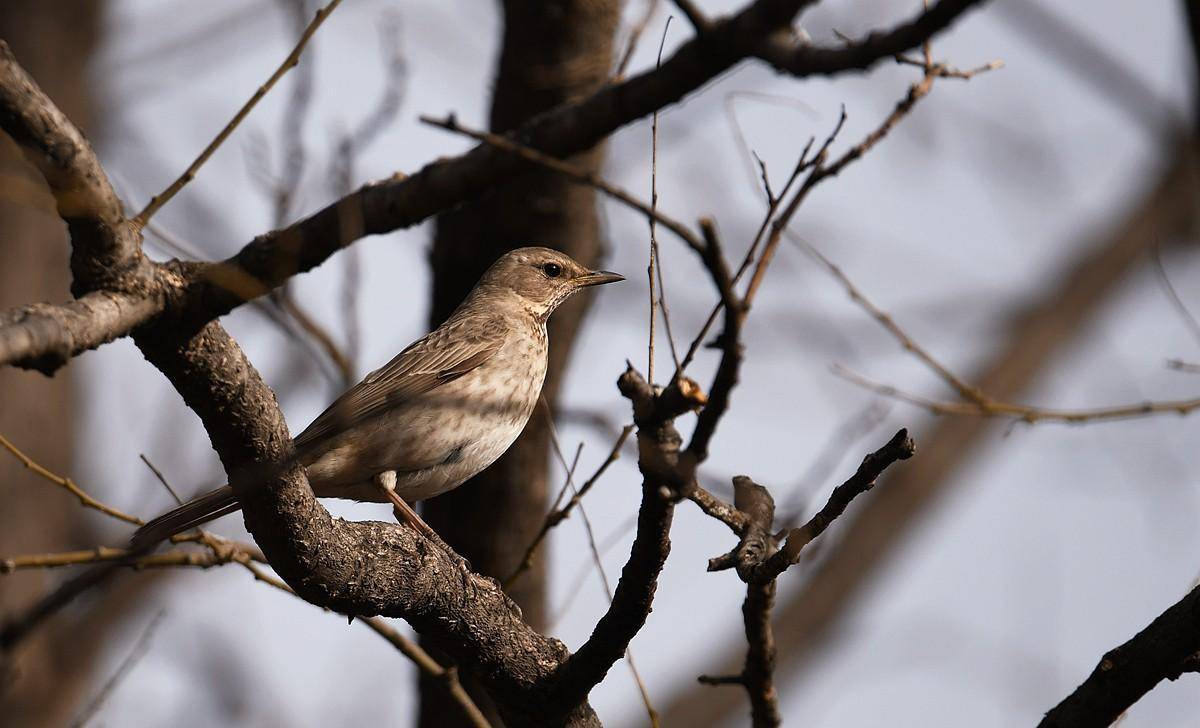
195 512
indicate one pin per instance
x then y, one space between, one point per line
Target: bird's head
543 278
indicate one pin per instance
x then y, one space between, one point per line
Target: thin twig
941 70
350 147
218 552
964 390
68 485
161 478
635 36
773 205
290 62
846 435
569 171
558 515
1025 413
1173 296
900 447
650 270
976 402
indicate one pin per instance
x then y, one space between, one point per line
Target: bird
440 411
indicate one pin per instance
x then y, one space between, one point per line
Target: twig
284 189
1180 365
68 485
716 508
350 147
977 402
941 70
900 447
1173 295
1024 413
963 389
558 515
650 270
140 646
423 660
569 171
728 296
848 433
635 36
161 478
290 62
287 302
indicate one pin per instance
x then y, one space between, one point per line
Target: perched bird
438 413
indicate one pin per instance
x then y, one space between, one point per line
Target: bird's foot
386 482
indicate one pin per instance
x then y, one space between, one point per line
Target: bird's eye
552 270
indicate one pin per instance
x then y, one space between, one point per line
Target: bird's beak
598 278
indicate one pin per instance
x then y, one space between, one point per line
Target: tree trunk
551 53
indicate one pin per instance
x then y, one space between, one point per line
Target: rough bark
1166 649
551 53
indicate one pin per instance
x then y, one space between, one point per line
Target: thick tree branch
360 569
1164 650
803 59
44 337
107 249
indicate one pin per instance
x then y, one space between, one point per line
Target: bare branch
658 443
44 337
558 515
292 60
900 447
67 484
82 193
1164 650
1025 413
635 36
802 59
977 402
572 172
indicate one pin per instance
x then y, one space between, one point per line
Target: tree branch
200 292
359 569
106 248
658 443
44 337
1164 650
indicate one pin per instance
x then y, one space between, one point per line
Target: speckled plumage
444 408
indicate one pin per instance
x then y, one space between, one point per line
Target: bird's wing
443 355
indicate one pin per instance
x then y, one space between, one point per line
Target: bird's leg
386 482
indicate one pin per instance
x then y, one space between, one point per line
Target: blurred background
1021 226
